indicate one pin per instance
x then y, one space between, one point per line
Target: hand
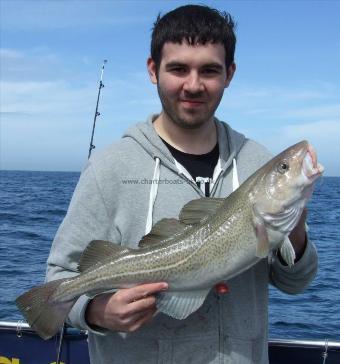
298 236
125 310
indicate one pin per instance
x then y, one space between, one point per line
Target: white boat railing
24 326
306 342
11 324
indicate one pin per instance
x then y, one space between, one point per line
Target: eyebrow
214 65
174 64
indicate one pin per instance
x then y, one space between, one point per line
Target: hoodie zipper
192 183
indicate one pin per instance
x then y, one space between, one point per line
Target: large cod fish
214 240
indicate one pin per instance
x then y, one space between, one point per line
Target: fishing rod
92 146
97 113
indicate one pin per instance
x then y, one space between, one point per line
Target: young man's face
191 81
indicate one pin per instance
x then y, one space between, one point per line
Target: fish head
285 184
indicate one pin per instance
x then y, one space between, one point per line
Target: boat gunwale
21 326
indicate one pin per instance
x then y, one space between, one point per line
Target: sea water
33 204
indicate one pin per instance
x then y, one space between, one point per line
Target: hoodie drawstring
236 183
154 190
153 195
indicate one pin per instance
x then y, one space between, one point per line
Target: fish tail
44 314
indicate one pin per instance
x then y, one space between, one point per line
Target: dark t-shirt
201 167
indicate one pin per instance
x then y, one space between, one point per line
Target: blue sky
286 87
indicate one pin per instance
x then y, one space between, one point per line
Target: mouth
311 168
192 103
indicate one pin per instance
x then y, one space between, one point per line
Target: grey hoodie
125 189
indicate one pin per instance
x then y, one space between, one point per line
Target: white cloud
274 107
293 101
38 64
278 117
324 135
50 117
6 53
39 15
323 129
37 53
43 97
313 112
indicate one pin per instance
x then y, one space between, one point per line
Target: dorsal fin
97 251
163 230
196 211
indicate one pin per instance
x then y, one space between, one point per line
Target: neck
200 140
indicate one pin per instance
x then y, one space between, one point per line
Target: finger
131 319
142 304
142 321
141 291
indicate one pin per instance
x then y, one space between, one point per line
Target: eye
177 70
283 167
209 70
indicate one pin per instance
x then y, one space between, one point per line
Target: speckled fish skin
202 257
214 240
218 248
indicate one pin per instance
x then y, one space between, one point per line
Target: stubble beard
194 122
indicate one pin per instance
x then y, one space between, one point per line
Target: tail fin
42 313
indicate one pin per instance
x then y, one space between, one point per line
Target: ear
152 69
230 74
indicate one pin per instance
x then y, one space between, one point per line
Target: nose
193 83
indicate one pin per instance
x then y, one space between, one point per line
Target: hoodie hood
230 142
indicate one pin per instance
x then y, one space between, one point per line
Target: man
186 153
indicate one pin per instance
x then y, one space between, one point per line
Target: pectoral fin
180 304
287 252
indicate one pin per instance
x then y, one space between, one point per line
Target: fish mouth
310 166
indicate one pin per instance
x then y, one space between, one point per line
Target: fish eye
283 167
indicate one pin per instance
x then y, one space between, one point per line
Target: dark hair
195 24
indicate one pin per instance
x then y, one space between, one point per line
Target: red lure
221 288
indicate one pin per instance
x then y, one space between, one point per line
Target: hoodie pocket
189 350
247 351
207 350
